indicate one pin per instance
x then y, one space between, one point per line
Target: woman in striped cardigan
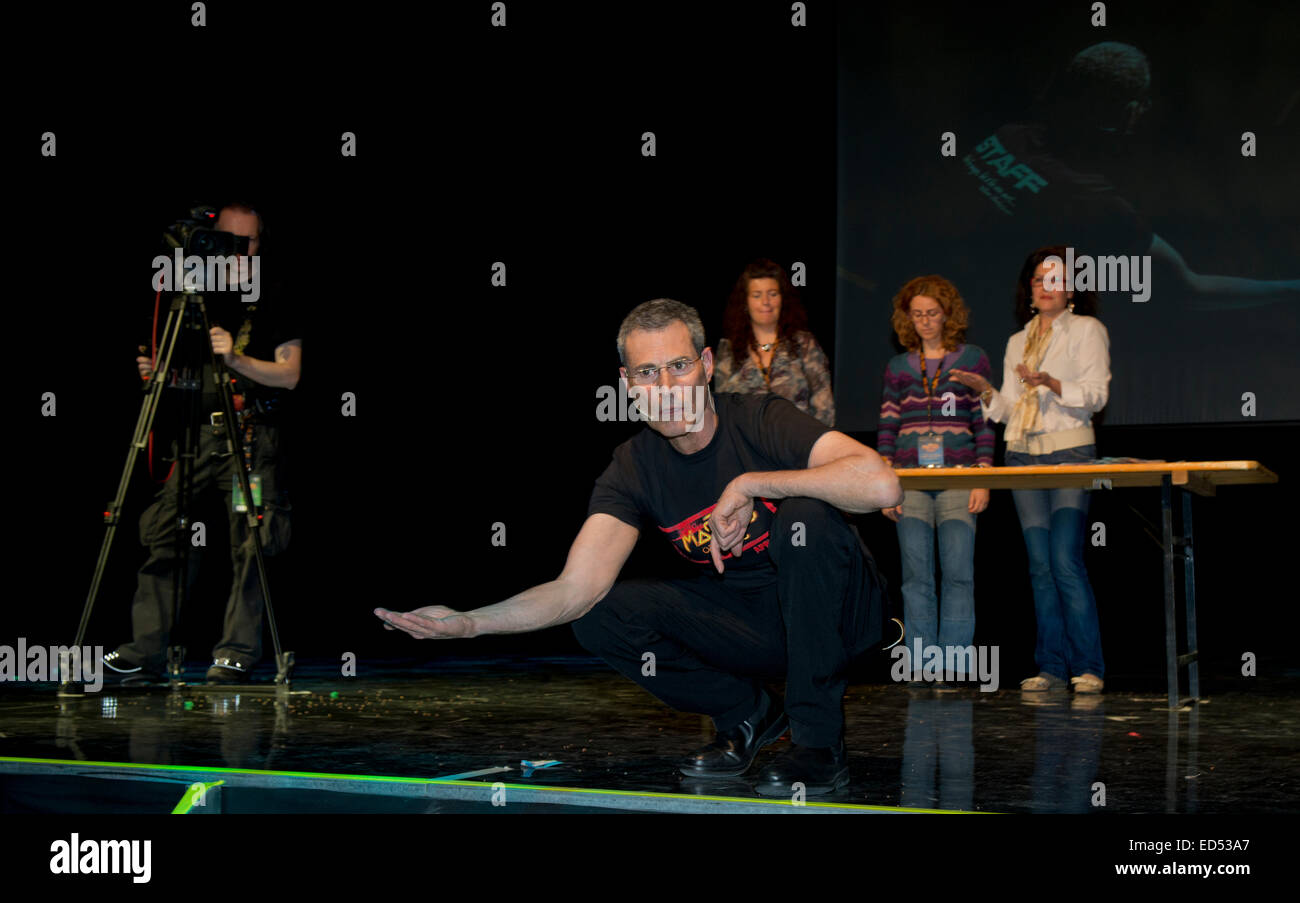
929 420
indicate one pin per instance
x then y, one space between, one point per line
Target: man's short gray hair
660 314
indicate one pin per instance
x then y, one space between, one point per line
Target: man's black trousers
152 609
714 641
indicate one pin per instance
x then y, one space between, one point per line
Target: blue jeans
924 512
1054 523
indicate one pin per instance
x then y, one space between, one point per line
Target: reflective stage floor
454 738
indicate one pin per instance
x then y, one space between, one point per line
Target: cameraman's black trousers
152 610
714 641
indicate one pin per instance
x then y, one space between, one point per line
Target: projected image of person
767 347
1055 377
1059 168
1135 151
927 419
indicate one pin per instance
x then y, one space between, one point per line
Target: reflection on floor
478 721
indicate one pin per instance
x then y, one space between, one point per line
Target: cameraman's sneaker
228 671
115 661
130 671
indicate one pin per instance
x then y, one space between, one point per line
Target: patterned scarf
1026 416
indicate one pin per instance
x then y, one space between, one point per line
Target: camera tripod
187 312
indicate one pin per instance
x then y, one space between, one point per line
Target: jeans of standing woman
1054 523
949 618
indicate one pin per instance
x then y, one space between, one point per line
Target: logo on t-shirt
1001 174
692 536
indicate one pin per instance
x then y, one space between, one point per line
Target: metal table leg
1171 615
1189 590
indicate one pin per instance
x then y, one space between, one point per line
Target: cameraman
264 357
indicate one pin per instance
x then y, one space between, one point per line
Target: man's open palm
433 622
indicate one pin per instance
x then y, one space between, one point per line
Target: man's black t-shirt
270 323
257 329
650 484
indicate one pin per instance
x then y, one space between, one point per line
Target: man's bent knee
807 523
597 624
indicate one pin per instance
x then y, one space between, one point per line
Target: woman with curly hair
929 420
767 347
1055 376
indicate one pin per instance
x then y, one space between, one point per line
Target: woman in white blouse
1056 375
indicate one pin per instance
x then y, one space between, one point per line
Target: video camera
196 235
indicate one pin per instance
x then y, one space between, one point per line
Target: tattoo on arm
284 354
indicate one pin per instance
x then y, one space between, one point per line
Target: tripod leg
193 468
252 518
139 440
180 570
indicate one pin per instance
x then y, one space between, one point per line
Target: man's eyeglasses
644 376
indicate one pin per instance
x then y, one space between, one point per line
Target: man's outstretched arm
1222 292
595 559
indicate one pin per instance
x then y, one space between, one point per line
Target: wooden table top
1201 477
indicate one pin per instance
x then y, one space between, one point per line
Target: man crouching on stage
747 487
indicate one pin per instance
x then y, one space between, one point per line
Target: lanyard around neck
925 383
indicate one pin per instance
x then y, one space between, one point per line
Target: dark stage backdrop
475 404
1038 155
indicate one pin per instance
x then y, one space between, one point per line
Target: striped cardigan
967 436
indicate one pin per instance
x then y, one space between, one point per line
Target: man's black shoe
821 770
732 752
229 671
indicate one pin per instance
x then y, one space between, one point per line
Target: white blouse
1078 354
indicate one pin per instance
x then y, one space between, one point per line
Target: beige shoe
1087 683
1043 681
